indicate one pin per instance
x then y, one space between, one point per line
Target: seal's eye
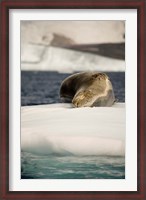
95 75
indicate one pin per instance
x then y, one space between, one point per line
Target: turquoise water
71 167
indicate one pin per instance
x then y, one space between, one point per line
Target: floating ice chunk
64 130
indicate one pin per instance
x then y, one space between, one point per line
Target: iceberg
60 129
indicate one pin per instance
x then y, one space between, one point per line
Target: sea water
72 167
43 88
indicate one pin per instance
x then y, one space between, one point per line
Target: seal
87 89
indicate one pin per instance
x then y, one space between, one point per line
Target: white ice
63 130
44 58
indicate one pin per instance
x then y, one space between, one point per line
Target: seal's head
88 95
83 99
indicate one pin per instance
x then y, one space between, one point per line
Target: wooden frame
140 5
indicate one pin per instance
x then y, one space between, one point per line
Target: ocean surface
72 167
43 88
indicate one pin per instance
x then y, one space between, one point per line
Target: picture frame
5 104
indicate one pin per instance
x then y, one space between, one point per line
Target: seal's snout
78 99
75 103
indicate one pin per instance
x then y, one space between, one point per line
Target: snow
63 130
64 60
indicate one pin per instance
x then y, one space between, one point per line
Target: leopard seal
87 89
